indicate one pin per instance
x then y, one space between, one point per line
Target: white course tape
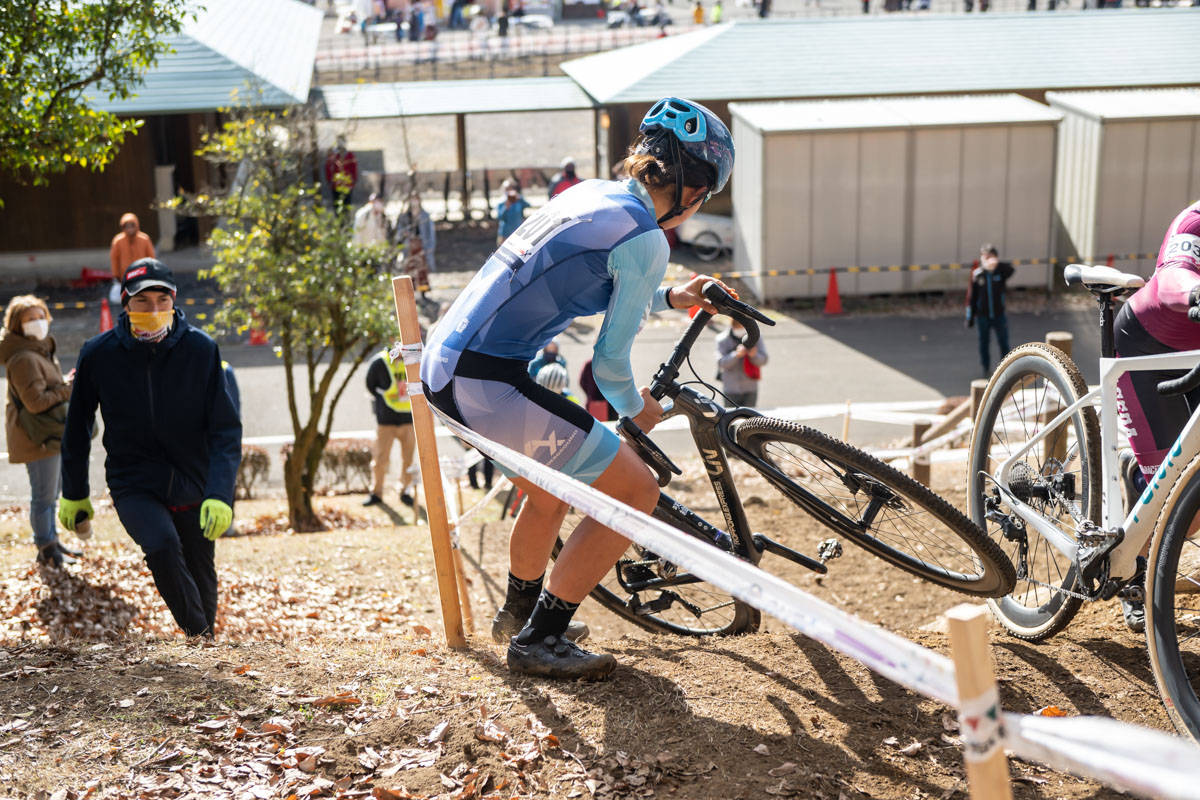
415 388
896 658
411 354
1132 758
981 726
500 485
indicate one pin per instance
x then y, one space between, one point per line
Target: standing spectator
554 377
341 172
456 15
387 383
36 386
415 230
511 210
717 13
416 22
764 8
985 303
371 223
597 405
546 356
698 13
739 367
129 245
564 179
172 438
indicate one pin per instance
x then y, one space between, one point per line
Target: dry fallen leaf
786 768
487 730
911 749
1051 711
762 749
437 734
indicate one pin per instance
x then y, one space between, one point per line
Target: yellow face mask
149 323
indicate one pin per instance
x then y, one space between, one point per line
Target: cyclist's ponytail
653 173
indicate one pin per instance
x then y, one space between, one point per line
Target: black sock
550 617
522 595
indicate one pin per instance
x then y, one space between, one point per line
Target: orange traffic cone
833 300
106 322
1111 258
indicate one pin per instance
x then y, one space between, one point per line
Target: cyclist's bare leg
592 548
627 479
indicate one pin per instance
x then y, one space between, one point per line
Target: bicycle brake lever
651 453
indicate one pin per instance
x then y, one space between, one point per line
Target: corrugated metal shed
1137 104
266 45
853 56
1127 163
897 193
427 98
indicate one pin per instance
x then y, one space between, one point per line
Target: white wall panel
787 210
882 195
1121 188
937 154
985 188
1029 207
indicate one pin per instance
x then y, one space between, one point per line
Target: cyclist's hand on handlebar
651 413
692 294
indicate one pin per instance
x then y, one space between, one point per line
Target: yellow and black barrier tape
853 269
187 301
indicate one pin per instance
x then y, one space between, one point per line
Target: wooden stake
978 387
920 464
846 424
460 572
431 472
979 706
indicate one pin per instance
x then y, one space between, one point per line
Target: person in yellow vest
717 13
387 383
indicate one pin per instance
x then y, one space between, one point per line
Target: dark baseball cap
146 273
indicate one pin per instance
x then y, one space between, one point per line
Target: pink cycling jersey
1161 305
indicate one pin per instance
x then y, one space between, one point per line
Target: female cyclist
596 247
1155 321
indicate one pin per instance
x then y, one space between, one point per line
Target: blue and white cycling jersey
595 247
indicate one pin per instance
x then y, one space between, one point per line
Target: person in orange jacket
129 245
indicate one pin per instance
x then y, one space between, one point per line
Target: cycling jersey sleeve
1180 268
637 267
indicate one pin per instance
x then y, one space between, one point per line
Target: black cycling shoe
49 555
372 500
407 499
1133 603
506 625
559 657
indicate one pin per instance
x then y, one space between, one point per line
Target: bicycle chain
1060 590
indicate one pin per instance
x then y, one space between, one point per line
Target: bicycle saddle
1093 277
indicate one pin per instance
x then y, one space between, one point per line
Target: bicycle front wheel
677 603
878 508
1058 477
1173 606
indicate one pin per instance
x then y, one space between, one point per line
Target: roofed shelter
845 57
264 49
457 98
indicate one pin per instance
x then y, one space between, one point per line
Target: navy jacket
987 290
170 425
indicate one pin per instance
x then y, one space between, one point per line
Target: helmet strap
678 208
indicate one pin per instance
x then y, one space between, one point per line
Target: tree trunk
298 481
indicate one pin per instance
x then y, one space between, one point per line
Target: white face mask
36 328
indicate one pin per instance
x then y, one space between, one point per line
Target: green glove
215 518
69 510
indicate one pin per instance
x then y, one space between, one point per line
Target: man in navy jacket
172 437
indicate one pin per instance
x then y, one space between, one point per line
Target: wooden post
920 464
431 472
978 387
980 722
1063 340
846 424
1055 445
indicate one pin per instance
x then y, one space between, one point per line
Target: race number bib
539 228
1183 247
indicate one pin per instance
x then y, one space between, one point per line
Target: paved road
814 359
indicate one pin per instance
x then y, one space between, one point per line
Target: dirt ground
329 679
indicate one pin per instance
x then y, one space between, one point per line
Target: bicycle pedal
1135 592
660 603
829 550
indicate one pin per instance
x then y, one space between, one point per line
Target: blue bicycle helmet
673 125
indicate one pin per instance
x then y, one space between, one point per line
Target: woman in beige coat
36 382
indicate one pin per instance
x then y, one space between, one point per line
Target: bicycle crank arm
662 603
683 579
771 546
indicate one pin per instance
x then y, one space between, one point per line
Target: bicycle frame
1135 528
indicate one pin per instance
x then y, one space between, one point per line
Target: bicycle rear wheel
1173 606
1059 478
688 609
879 508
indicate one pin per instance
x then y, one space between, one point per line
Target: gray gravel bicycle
852 493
